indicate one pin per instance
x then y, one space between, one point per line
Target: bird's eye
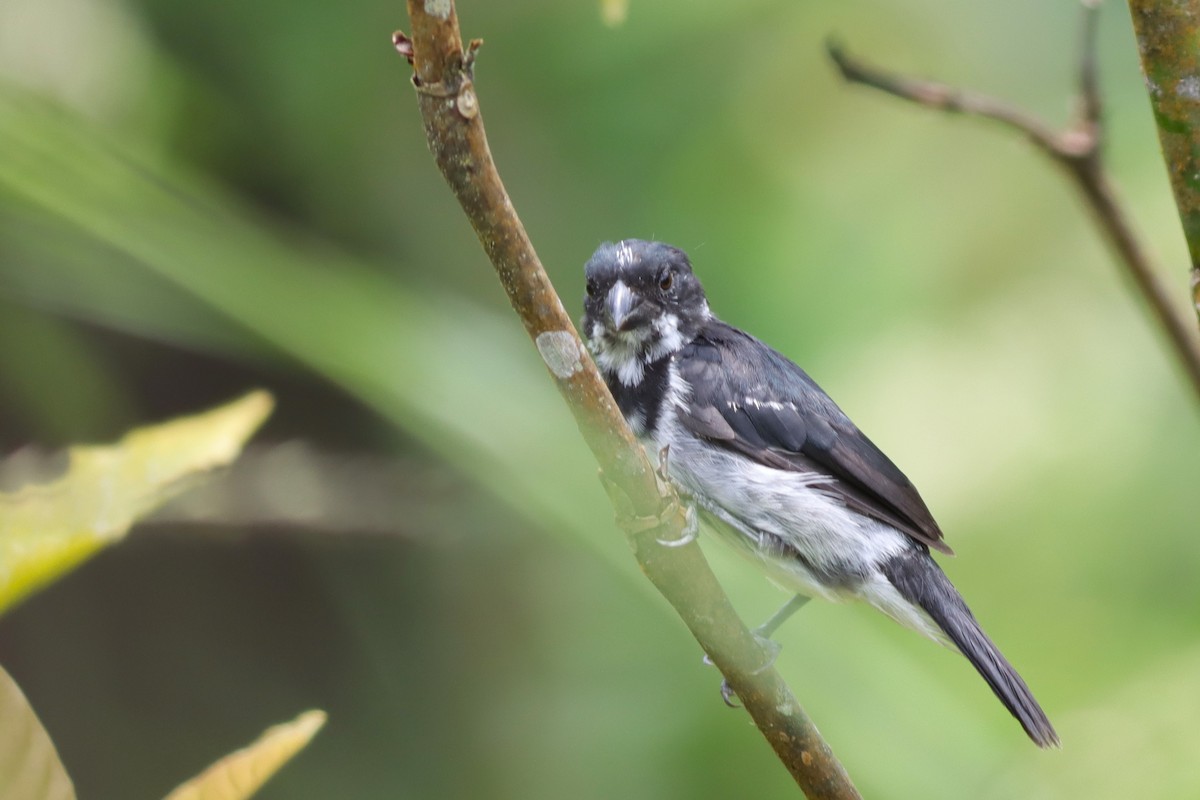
592 288
666 281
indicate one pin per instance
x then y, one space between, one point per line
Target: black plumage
922 582
749 398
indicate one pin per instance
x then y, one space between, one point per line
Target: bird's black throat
641 404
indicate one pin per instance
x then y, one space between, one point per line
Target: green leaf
46 529
241 774
29 765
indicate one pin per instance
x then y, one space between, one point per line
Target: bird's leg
763 634
768 628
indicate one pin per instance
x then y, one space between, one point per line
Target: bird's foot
633 523
691 527
769 646
728 695
690 524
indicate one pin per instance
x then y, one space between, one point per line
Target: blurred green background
201 198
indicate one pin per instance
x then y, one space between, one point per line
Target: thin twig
1077 150
647 506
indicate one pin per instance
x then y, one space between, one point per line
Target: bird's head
643 302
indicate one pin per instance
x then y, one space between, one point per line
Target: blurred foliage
614 12
200 198
29 765
31 770
47 528
239 775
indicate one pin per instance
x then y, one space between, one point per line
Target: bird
771 464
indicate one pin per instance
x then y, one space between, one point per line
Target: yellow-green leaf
240 774
29 765
46 529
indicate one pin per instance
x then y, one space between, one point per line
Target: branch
648 508
1166 37
1077 150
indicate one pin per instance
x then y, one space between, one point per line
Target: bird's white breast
763 506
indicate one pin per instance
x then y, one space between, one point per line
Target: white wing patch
774 405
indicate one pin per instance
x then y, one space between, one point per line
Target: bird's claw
727 692
728 695
688 535
769 646
691 525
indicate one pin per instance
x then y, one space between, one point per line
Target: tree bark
1168 39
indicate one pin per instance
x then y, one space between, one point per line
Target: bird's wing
750 399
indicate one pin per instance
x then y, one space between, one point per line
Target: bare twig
1077 150
1166 38
647 506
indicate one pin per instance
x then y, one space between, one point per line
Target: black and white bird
771 463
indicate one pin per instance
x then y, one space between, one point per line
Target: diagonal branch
1166 37
1077 150
647 507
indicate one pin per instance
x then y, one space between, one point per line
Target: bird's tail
920 580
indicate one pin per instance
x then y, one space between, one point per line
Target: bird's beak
621 304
